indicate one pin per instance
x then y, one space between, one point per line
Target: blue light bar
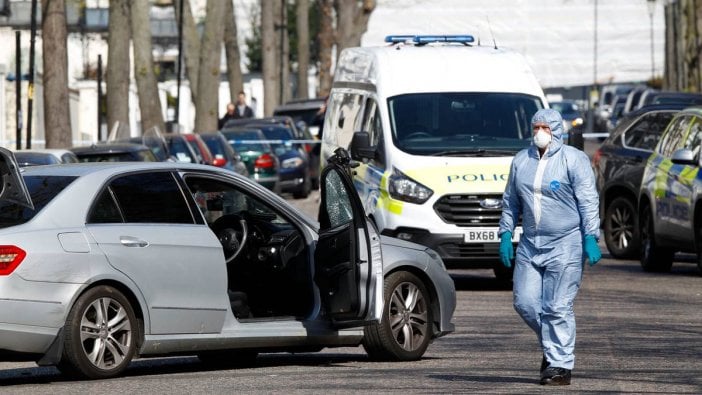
464 39
426 39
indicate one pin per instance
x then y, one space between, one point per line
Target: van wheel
653 257
621 229
404 330
100 334
698 241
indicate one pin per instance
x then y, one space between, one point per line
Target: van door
346 272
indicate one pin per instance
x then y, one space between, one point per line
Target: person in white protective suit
552 187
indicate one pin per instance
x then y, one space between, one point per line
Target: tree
351 22
57 124
191 42
118 64
282 43
207 101
326 45
269 57
303 47
231 46
147 88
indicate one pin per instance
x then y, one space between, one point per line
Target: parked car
224 155
115 152
670 200
689 99
619 165
101 263
180 150
570 111
200 147
307 111
256 153
294 172
38 157
305 138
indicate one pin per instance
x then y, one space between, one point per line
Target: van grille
465 210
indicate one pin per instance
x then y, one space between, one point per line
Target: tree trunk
147 87
303 48
207 103
57 123
352 22
231 46
191 44
269 58
326 45
283 48
118 64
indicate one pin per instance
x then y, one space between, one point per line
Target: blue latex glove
506 249
592 250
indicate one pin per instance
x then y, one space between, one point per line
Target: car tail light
308 148
264 161
10 258
219 162
596 157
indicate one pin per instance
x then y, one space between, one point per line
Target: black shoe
555 376
544 364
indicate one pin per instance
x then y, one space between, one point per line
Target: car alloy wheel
621 229
100 334
404 330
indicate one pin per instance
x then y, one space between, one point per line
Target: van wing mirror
360 146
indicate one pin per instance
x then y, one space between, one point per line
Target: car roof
296 105
107 168
109 147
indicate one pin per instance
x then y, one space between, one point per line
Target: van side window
349 119
373 125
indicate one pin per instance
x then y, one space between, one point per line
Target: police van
434 122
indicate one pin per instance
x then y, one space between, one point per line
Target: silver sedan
102 262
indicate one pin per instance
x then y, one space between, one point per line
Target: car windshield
280 139
180 149
42 189
565 108
475 123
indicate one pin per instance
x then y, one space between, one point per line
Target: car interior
268 267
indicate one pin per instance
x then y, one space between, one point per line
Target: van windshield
449 123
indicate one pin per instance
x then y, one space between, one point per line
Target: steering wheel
232 232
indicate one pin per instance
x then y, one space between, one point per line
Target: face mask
542 139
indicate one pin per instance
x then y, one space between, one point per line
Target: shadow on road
478 280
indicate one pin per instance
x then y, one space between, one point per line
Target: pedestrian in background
552 187
236 111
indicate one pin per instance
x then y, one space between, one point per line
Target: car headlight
406 189
291 163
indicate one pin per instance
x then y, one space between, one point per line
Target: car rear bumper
25 342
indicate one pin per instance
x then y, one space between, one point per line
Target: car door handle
129 241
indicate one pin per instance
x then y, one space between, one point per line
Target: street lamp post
651 8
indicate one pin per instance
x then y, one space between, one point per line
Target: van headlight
406 189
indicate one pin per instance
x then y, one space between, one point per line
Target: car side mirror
683 156
360 146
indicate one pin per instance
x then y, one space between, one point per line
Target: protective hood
554 121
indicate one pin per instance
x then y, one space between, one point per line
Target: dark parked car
45 157
689 99
257 155
619 164
115 152
307 111
307 141
200 148
180 150
224 155
294 172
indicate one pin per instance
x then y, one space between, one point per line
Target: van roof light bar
426 39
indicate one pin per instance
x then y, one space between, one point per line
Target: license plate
488 235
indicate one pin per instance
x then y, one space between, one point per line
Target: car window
338 204
42 190
105 209
646 132
673 136
694 137
216 198
151 198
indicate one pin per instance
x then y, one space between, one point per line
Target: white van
435 122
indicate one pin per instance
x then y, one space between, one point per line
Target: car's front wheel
621 229
653 257
404 331
100 334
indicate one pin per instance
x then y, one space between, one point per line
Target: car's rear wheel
698 241
100 334
621 229
653 257
404 331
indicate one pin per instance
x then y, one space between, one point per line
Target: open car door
348 265
13 187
